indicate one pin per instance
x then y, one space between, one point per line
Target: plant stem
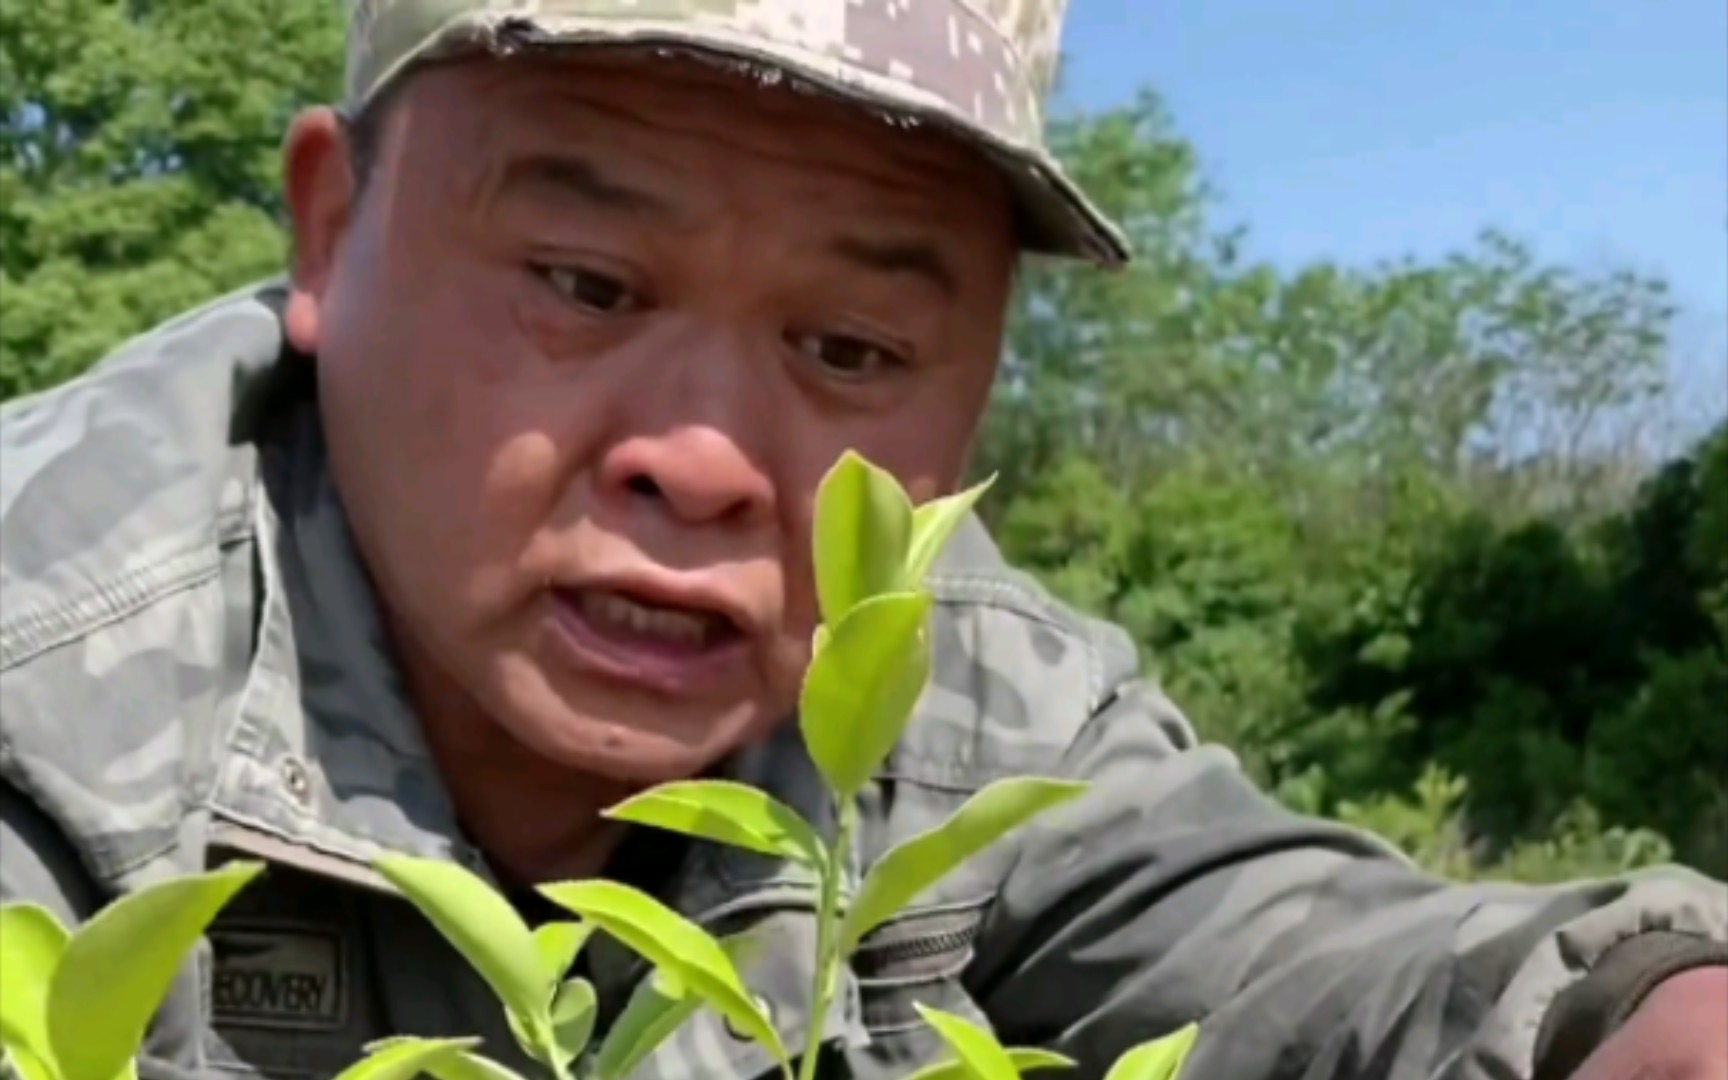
550 1056
827 942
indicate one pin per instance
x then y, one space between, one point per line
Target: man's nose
691 430
698 473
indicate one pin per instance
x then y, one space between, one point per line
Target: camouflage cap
979 68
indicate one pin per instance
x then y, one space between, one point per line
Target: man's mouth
668 648
632 618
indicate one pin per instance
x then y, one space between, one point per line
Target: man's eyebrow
916 257
577 177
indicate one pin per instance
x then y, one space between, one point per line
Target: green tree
1656 759
139 163
1111 365
1347 512
1488 369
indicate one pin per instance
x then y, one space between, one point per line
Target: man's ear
320 187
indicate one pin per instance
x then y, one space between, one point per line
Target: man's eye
595 291
848 357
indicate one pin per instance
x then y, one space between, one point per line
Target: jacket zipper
911 945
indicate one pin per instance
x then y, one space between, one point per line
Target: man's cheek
521 470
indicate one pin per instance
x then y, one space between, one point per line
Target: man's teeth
679 627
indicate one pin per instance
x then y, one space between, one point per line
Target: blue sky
1366 129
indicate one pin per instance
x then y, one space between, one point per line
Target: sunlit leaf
405 1059
31 942
119 966
860 690
1025 1061
559 943
862 529
726 813
971 1044
671 984
471 1066
657 1009
1160 1059
1031 1060
573 1015
933 524
28 1065
533 1043
388 1041
482 926
670 941
920 862
463 1065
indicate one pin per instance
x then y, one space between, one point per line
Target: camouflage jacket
191 670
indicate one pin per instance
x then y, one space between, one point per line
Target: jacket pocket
916 958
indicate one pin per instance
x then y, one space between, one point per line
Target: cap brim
1055 216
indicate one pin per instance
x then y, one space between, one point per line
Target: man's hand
1680 1032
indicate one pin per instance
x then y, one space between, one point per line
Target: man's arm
1176 891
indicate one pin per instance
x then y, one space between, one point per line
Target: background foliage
1399 535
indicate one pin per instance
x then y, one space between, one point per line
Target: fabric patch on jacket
280 975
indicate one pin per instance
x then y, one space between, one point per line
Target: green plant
553 1017
870 664
75 1006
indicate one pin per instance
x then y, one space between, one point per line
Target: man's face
587 344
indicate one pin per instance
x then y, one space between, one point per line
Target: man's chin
635 754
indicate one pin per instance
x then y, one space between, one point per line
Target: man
498 509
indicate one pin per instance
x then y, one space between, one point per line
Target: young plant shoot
77 1006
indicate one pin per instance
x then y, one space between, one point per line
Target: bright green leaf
862 530
670 941
971 1044
559 944
465 1065
405 1058
920 862
482 926
533 1043
726 813
1160 1059
471 1066
657 1009
573 1015
933 524
671 984
1025 1061
31 943
860 690
1032 1060
28 1065
119 966
944 1070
